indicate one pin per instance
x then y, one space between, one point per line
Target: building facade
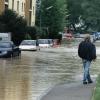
30 9
2 6
25 8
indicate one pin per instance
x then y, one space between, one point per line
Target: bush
96 95
11 22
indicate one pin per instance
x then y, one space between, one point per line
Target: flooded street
29 77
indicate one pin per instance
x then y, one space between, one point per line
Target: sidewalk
73 91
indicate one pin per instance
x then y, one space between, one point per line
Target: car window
50 41
28 43
5 45
43 41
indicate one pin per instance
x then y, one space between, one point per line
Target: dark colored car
8 49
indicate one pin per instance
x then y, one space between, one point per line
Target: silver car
28 45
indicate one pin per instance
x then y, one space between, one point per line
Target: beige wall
32 11
1 6
19 8
27 11
22 7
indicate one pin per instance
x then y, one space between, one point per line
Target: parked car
96 35
8 49
45 43
77 35
28 45
50 41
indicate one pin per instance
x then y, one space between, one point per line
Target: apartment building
25 8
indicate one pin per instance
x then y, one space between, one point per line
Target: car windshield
28 43
43 41
50 41
5 45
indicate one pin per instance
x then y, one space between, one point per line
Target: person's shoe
89 82
84 82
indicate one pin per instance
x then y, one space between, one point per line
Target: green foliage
15 24
28 37
91 14
85 14
52 17
96 95
75 12
31 32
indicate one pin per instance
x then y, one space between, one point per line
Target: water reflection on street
28 77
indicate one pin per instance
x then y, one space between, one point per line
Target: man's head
87 38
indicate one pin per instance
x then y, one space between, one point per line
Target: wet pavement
72 91
28 77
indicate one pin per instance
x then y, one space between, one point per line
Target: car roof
29 40
43 39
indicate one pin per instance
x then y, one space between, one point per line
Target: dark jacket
87 50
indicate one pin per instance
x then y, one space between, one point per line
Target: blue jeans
86 66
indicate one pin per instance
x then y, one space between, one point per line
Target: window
33 10
30 4
22 7
12 4
18 6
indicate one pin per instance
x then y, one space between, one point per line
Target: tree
52 16
31 32
75 12
15 24
84 15
38 5
91 15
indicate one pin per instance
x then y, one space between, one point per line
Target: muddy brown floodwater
28 77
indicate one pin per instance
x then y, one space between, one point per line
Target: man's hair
87 38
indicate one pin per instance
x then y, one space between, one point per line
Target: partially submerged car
45 43
28 45
8 49
96 35
50 41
